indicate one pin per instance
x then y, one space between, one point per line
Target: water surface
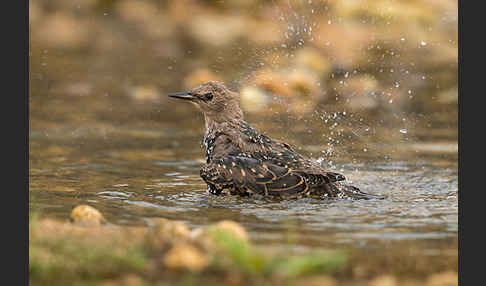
136 162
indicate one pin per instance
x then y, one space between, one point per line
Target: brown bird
241 160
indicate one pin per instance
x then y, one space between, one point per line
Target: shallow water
137 161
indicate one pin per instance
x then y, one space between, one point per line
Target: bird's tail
347 191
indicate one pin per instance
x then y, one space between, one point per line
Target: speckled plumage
241 160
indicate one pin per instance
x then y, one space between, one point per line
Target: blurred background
283 55
368 88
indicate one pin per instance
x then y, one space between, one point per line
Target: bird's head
214 99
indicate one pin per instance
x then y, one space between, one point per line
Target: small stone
203 236
167 231
232 227
185 256
87 215
303 83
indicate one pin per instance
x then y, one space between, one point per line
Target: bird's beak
183 95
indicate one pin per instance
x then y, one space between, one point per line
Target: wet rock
383 280
232 227
185 256
204 236
87 215
166 231
449 278
305 90
303 83
199 77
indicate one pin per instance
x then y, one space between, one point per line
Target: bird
240 160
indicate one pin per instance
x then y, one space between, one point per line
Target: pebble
165 230
87 215
203 237
185 256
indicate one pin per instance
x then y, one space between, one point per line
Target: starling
242 161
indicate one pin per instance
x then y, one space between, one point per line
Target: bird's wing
260 177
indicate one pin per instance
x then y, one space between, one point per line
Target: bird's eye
208 96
